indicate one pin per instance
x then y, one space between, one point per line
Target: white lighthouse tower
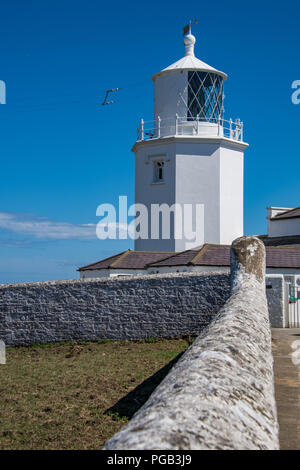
189 155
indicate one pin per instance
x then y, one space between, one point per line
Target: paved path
287 385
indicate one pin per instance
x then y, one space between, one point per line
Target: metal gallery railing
178 126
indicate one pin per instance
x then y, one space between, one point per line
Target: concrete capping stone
248 255
104 280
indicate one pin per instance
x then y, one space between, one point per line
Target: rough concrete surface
249 254
286 352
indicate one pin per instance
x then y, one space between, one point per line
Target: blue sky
62 153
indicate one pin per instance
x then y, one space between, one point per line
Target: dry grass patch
76 396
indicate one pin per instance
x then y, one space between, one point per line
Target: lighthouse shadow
130 403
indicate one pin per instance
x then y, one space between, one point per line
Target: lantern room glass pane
205 96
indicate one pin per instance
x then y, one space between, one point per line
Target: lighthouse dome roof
189 61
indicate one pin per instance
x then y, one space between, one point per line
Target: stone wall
220 394
164 305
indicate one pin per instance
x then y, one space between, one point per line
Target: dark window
205 96
158 171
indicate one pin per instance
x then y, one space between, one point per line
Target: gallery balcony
193 127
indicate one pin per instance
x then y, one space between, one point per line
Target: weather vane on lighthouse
188 28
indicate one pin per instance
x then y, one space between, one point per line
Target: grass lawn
76 396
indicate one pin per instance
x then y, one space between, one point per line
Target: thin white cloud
43 228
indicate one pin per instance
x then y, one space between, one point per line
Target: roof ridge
216 244
204 249
200 253
96 262
123 255
176 253
163 252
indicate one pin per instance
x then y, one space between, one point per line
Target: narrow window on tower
158 171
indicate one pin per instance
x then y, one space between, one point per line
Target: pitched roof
213 255
289 214
207 255
102 264
284 256
191 63
127 260
219 255
183 258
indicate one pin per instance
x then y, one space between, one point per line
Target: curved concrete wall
220 394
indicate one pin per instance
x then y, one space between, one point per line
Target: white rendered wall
110 273
197 171
292 271
167 90
231 194
221 269
211 173
148 192
198 182
94 274
284 227
175 269
188 269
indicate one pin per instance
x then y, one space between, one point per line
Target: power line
23 106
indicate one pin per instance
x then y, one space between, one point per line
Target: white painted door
294 306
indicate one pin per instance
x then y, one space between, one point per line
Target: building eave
191 139
276 219
189 69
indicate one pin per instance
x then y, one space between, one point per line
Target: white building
283 222
190 155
